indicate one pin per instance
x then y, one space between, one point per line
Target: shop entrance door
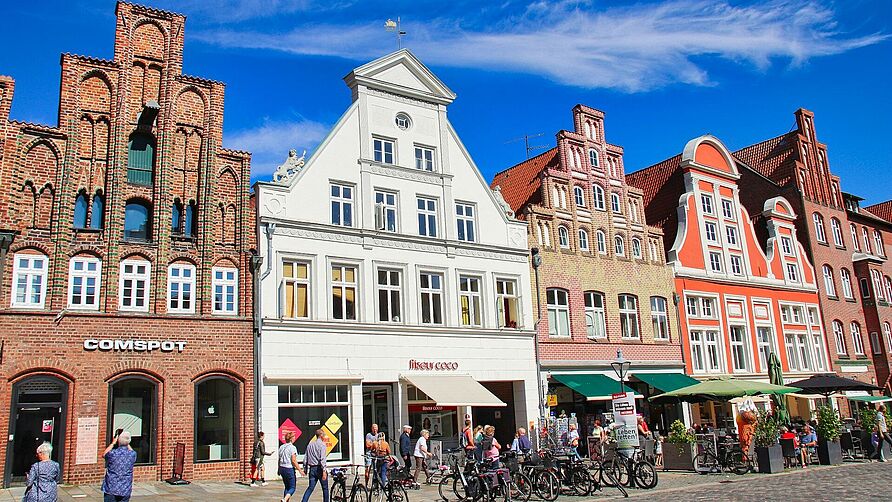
377 408
38 415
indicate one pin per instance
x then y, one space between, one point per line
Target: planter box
679 457
829 452
770 459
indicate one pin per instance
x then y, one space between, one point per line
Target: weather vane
394 26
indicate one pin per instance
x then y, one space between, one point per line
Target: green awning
666 382
871 399
594 386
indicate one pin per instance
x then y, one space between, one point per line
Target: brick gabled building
873 271
798 163
125 282
603 282
747 286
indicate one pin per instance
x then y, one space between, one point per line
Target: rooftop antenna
394 26
526 143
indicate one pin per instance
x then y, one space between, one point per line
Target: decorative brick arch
34 246
124 369
204 371
138 254
35 366
86 249
180 257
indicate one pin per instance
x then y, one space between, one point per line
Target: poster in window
433 423
128 415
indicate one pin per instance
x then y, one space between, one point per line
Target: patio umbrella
829 383
722 389
776 376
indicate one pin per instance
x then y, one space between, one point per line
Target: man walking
314 466
406 448
370 440
882 431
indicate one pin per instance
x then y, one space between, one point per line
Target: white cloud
270 142
633 48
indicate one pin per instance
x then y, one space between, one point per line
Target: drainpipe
256 263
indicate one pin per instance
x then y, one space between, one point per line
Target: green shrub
829 424
679 434
767 431
868 417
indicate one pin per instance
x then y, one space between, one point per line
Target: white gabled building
395 286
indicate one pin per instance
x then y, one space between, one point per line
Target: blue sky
663 72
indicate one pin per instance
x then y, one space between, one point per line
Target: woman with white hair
43 477
119 461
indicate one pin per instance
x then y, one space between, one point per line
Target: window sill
851 300
222 460
833 297
132 240
81 230
182 238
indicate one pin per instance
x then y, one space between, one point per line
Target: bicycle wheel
738 464
547 484
360 494
460 491
704 462
614 473
521 487
444 487
580 481
377 494
396 492
339 492
645 475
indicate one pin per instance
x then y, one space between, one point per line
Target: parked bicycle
629 470
725 455
571 472
380 491
358 491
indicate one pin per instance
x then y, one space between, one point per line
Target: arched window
176 217
615 204
189 220
819 228
583 240
840 338
558 312
857 343
133 407
598 193
97 212
855 237
866 240
141 159
602 241
829 285
137 220
593 158
579 196
836 228
619 245
563 237
216 420
878 243
887 284
80 210
887 335
846 279
636 248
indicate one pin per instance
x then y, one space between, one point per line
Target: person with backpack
466 440
522 443
490 445
478 443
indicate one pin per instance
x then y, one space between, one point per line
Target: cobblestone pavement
870 481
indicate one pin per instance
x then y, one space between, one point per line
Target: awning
594 386
666 382
454 390
871 399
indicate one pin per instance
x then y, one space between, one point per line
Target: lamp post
536 259
621 368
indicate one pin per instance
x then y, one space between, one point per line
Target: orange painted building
746 287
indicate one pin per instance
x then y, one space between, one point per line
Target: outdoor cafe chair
789 451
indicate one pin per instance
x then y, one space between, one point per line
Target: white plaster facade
295 222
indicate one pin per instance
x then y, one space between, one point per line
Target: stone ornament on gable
506 208
290 168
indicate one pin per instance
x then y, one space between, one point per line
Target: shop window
216 420
133 408
508 303
311 407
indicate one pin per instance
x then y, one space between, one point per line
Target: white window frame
846 279
601 241
563 237
790 348
836 230
736 264
887 284
855 242
558 313
474 299
866 237
86 276
715 262
659 316
466 226
616 204
619 245
706 203
731 236
431 297
766 344
379 150
829 284
804 351
820 232
712 346
578 196
297 282
424 158
692 306
707 308
792 272
389 211
595 319
710 229
134 276
389 289
636 248
345 204
839 334
510 295
180 288
583 240
598 196
786 245
343 285
29 273
728 209
857 342
225 287
878 243
739 349
887 335
698 356
630 325
593 158
429 216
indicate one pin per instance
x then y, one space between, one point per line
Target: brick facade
63 194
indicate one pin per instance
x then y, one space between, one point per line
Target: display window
305 408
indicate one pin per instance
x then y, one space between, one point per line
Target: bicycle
717 458
358 491
571 472
380 491
456 481
629 470
545 483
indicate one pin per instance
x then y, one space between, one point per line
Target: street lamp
536 259
621 368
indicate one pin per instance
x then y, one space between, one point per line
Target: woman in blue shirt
118 482
43 478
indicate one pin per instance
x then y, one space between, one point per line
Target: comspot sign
626 420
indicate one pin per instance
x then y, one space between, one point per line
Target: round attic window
403 121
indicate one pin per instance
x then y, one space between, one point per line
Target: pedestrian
43 477
314 466
467 438
573 440
381 457
288 466
421 455
521 443
882 430
490 445
370 440
119 461
478 442
257 456
406 449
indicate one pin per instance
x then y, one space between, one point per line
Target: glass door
377 408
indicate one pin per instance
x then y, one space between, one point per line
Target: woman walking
257 456
43 478
421 455
288 464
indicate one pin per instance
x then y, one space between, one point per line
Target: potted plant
769 454
679 450
829 429
868 418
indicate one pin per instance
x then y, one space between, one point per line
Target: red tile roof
882 210
520 183
662 184
772 158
